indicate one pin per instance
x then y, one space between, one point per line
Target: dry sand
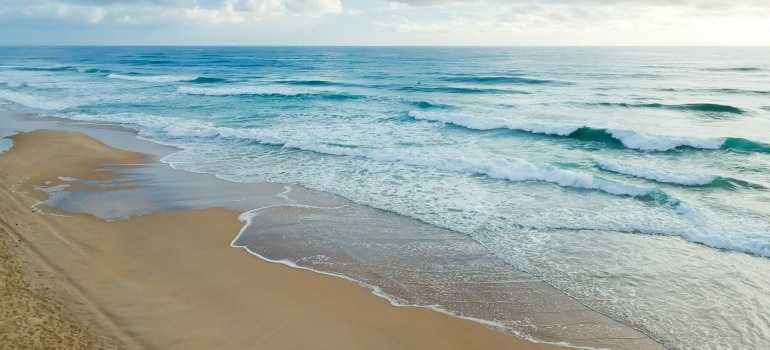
170 280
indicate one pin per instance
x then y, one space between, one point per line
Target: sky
380 22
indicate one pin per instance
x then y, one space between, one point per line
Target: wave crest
153 78
610 137
693 107
654 174
507 80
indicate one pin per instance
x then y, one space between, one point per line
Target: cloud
501 15
64 11
691 7
180 11
314 6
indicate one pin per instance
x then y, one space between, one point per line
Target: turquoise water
635 180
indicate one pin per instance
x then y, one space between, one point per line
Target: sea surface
633 182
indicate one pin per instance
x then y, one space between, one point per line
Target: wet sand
170 279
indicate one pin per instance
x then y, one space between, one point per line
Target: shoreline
152 289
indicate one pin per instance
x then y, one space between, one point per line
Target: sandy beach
170 280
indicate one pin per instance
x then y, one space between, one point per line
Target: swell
660 176
744 145
59 69
266 91
692 107
429 105
312 83
503 80
741 91
207 80
731 91
47 69
165 78
734 69
459 90
612 138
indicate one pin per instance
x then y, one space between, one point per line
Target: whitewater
635 181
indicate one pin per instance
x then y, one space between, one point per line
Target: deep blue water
636 180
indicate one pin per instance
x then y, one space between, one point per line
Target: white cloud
314 6
147 11
260 7
388 22
214 16
91 14
499 15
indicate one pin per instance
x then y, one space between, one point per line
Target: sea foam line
248 218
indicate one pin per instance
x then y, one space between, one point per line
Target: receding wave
694 107
507 80
610 137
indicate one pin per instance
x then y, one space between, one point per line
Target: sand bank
170 279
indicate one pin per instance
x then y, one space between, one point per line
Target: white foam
748 234
654 174
511 170
504 169
32 101
152 78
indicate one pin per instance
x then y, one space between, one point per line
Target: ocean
537 190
